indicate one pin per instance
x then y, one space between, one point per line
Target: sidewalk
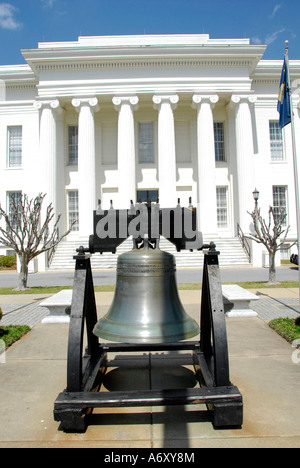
24 309
261 367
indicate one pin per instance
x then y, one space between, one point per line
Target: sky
25 23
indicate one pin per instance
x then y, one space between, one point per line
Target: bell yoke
146 315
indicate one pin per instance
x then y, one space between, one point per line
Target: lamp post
255 194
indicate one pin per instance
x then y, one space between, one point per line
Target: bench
57 305
240 300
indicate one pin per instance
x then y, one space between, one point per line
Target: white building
126 117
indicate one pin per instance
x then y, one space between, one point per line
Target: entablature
144 51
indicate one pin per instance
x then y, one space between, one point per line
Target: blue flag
284 105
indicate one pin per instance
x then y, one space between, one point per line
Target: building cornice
18 78
163 63
145 40
271 69
21 87
265 81
144 51
149 45
17 107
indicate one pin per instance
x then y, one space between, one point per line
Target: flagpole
296 179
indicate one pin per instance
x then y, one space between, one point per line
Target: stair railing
244 242
50 253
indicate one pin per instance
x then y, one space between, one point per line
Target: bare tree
26 233
272 234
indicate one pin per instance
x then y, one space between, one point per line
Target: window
146 143
143 196
276 142
279 200
73 209
219 141
285 252
73 145
14 146
222 218
13 197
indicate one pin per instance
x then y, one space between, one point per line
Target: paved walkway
269 308
26 309
261 366
22 314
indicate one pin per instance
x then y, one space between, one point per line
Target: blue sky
24 23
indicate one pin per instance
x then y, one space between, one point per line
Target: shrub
12 333
7 261
287 328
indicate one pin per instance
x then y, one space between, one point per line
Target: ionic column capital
50 104
170 99
239 98
198 99
118 101
91 102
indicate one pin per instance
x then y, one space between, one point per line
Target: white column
126 149
207 198
48 149
60 170
166 149
50 179
86 163
244 155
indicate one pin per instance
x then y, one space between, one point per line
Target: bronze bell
146 307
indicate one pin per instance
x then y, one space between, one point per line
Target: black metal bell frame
210 352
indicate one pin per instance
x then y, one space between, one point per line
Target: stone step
231 254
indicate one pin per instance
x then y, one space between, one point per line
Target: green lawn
182 286
288 328
12 333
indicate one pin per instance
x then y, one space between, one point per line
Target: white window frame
17 194
14 148
75 228
145 144
276 142
222 208
72 147
280 202
220 147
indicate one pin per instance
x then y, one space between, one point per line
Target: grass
288 328
12 333
181 286
51 289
